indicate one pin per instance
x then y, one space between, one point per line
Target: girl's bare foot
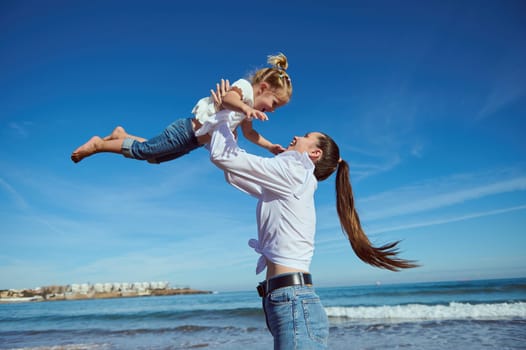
117 133
87 149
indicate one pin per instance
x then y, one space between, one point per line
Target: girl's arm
253 136
233 100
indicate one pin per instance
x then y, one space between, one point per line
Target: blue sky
427 101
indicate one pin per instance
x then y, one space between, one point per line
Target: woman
285 186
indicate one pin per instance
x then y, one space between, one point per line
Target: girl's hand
221 90
276 149
254 113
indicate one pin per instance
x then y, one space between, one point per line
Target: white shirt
284 186
205 110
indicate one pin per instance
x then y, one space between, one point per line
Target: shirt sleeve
251 173
248 92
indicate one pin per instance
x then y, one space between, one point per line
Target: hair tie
283 75
339 160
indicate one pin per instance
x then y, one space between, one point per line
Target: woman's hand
217 95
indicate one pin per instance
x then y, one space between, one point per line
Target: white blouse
205 111
284 186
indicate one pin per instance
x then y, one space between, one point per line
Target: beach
488 314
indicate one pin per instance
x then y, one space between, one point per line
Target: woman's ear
315 154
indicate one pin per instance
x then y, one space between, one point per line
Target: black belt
286 280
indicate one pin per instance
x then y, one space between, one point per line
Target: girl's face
267 100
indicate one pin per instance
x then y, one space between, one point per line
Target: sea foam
452 311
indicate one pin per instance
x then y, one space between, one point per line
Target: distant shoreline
39 297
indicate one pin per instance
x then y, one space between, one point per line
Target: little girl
269 89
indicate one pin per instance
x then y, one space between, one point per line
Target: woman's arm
248 171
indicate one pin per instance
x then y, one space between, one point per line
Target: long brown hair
384 256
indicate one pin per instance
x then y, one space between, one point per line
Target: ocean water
486 314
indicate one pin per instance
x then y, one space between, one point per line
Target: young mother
286 220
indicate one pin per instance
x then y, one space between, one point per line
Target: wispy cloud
16 198
385 125
417 150
432 196
21 129
192 261
508 86
447 220
335 243
21 274
437 193
370 163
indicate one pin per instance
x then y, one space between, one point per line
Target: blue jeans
296 318
175 141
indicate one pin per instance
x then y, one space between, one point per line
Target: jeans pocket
316 320
280 296
279 314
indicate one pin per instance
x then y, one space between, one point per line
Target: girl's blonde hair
276 75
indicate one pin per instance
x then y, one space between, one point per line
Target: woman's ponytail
384 256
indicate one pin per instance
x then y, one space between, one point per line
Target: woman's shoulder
300 159
300 172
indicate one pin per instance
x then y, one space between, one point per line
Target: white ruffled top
205 111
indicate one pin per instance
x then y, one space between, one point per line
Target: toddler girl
268 89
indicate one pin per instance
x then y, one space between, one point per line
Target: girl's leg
111 143
176 140
96 145
120 133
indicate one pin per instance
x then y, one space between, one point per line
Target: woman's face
307 143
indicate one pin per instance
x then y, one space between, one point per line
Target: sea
482 314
